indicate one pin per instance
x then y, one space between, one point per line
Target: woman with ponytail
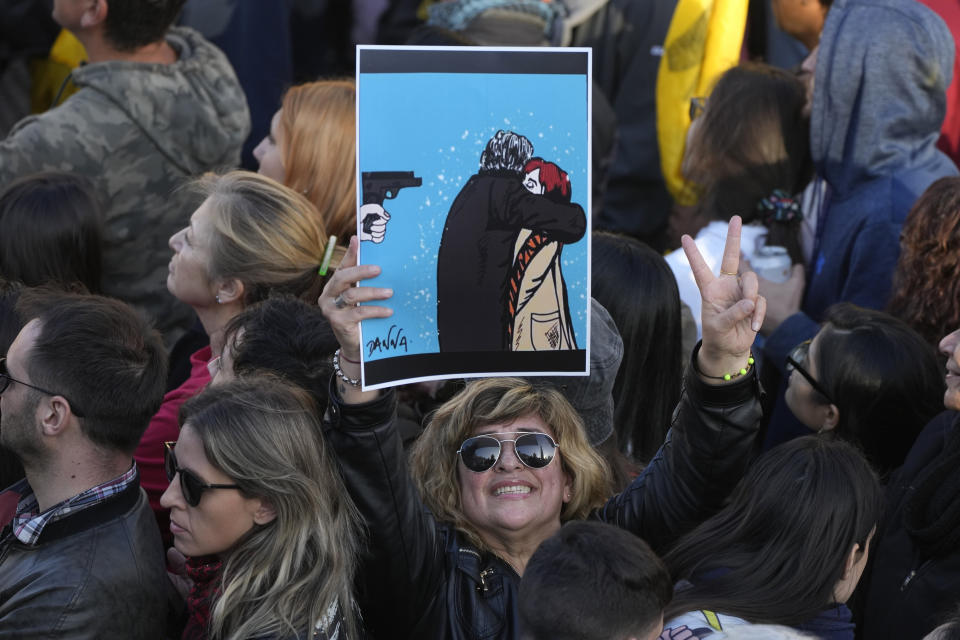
250 237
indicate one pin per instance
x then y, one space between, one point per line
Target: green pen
327 255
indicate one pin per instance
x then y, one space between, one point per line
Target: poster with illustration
473 172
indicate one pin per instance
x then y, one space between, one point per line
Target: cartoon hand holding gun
374 225
377 187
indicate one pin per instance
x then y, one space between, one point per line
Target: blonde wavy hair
318 130
433 457
265 234
283 577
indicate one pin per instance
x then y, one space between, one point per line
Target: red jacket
164 427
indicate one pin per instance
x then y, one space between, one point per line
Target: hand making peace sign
732 310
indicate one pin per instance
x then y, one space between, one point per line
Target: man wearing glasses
80 552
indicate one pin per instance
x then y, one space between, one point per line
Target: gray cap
592 395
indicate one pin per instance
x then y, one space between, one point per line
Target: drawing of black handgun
384 185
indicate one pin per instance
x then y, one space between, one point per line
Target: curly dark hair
926 283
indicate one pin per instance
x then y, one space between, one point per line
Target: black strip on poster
464 363
471 61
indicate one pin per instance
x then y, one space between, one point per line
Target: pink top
164 427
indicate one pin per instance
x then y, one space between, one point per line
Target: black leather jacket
97 574
421 579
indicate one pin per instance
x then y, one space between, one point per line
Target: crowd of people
187 450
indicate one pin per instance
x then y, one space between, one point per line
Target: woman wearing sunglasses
257 506
501 466
867 378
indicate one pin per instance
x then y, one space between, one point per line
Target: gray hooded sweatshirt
878 104
138 132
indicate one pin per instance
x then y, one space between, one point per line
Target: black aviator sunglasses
480 453
5 381
191 486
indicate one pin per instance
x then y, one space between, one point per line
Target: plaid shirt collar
28 522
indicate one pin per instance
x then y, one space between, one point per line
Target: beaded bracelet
353 382
730 376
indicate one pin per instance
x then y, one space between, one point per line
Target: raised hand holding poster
474 178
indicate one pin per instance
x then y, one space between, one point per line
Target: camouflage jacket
139 131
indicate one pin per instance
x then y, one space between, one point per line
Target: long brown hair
283 577
926 283
752 139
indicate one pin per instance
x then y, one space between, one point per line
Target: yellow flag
703 41
48 74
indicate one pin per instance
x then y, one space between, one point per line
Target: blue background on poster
436 125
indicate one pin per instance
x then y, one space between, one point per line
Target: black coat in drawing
477 251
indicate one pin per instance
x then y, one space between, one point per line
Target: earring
218 299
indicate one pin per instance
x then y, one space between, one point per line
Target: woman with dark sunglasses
257 506
501 466
867 378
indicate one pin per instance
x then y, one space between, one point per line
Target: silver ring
340 302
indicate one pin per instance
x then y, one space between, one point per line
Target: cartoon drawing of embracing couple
499 279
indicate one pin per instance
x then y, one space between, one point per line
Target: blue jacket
878 103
